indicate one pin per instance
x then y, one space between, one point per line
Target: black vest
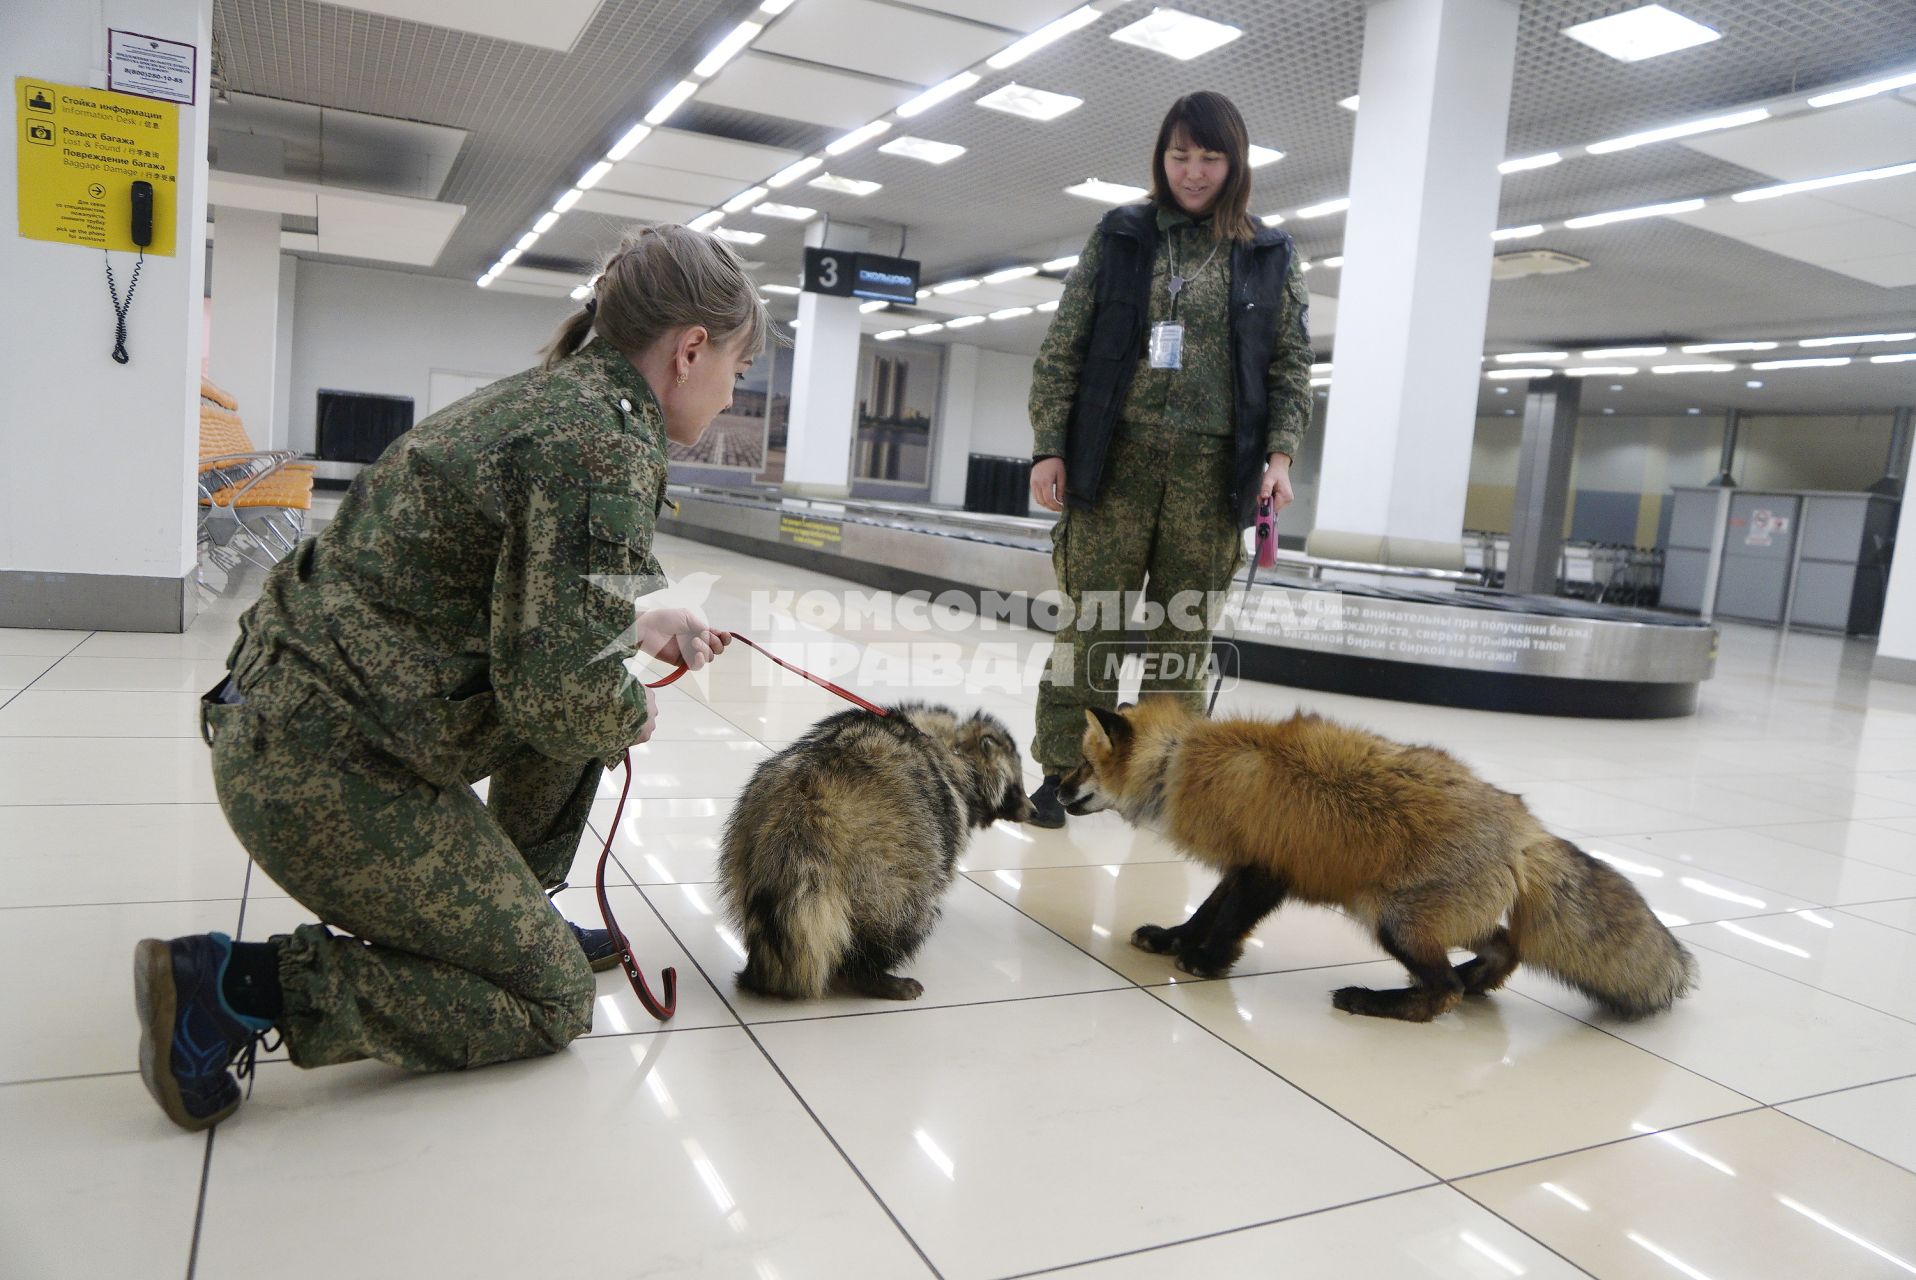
1129 239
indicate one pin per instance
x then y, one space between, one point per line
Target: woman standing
466 615
1168 398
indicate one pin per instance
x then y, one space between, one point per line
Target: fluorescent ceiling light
889 334
1304 267
1600 370
780 288
1010 313
964 322
671 102
743 198
731 235
1543 161
1622 353
1337 261
1691 368
722 52
484 281
1898 358
1710 348
1817 184
1349 104
1108 192
866 308
1261 156
857 137
1272 219
1010 273
793 172
1519 373
1325 209
1856 339
772 8
954 286
1819 362
1013 54
844 186
1322 367
1754 382
624 146
1530 357
937 94
531 238
591 177
1183 36
1320 382
1518 233
581 293
1642 33
1869 90
707 220
1047 306
924 328
506 259
793 212
567 200
1059 264
1627 215
545 222
1708 125
923 149
1032 104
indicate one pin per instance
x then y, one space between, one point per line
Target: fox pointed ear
1110 727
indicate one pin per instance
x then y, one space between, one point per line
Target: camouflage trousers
1164 525
456 958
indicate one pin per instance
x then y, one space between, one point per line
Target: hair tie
591 307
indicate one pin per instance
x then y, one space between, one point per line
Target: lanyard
1177 282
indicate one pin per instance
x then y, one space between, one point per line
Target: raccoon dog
1405 839
842 845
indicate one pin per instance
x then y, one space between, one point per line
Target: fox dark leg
1161 941
868 980
1244 897
1437 987
1495 961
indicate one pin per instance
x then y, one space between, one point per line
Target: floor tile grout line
117 902
1848 1088
82 1075
797 1096
50 666
199 1211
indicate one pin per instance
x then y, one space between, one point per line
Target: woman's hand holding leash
1276 485
680 636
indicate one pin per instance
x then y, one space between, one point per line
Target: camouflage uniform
441 630
1163 513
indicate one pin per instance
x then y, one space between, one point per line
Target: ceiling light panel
938 93
1183 36
1349 104
1032 104
723 52
1646 32
844 186
674 99
1050 33
751 195
1106 192
1523 163
1631 215
1901 80
1261 156
1711 348
1710 367
857 138
923 149
1818 362
1689 128
1622 353
1325 209
1857 339
732 235
790 212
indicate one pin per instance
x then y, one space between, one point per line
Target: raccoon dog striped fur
1404 839
842 845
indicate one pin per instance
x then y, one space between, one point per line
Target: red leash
663 1009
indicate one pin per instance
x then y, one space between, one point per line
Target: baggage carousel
1370 630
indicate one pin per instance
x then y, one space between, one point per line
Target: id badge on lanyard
1167 345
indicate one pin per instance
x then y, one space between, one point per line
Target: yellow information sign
81 150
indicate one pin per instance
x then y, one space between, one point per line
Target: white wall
384 332
983 411
136 426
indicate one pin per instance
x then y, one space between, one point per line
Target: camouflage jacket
449 612
1165 406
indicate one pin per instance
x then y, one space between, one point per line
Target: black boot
1046 811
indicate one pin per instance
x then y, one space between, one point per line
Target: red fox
1405 839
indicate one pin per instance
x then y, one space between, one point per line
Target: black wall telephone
142 235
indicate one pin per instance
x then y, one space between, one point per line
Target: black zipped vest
1120 317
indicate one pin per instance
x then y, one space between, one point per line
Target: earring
681 379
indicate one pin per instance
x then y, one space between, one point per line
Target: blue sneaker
189 1035
600 951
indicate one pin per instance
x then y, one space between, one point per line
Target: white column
1896 638
96 494
1434 95
957 415
818 443
246 318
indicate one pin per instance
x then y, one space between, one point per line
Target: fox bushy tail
1579 920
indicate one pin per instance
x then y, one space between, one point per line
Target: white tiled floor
1057 1101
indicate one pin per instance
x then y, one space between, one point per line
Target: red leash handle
664 1009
